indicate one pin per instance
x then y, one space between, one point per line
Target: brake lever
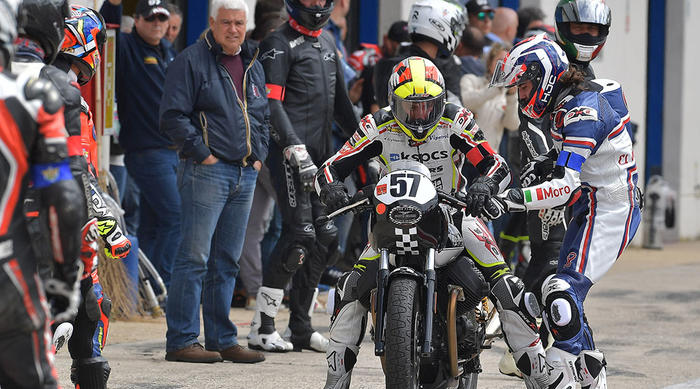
453 201
325 218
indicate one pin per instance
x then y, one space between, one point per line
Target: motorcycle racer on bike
420 125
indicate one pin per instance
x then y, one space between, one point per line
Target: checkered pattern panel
407 243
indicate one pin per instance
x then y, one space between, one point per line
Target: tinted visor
595 12
418 115
514 75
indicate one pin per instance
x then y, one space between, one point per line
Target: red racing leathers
33 148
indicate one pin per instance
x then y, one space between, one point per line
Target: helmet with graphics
537 59
437 21
592 18
417 96
85 35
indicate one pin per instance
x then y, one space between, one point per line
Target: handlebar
453 201
357 201
361 199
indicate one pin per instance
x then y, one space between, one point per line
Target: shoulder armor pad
461 119
382 116
41 89
605 85
61 81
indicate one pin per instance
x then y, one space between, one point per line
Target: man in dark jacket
214 108
143 57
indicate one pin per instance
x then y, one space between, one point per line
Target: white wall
688 211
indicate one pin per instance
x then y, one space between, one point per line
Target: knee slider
506 291
562 313
327 234
295 258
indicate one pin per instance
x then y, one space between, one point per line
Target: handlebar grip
321 220
451 200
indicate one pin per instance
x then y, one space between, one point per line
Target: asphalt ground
645 314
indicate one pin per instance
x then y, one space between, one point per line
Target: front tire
402 334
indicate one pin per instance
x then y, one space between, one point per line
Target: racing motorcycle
427 329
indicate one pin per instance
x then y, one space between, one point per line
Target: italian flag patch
528 195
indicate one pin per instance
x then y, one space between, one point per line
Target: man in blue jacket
215 109
143 57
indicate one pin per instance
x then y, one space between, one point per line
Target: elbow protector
66 208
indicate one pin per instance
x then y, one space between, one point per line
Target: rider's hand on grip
334 196
477 195
494 208
299 159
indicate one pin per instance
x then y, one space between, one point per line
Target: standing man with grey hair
215 110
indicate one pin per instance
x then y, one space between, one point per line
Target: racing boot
347 331
61 335
517 311
563 369
591 369
262 335
507 365
90 373
300 333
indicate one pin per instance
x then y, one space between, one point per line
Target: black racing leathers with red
33 150
306 92
90 369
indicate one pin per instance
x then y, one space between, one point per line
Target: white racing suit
596 174
456 138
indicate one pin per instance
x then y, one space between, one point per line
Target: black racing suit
446 64
33 138
306 93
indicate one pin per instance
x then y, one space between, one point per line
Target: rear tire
402 334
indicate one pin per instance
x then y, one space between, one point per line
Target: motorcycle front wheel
402 334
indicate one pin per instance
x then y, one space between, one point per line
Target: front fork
379 304
382 277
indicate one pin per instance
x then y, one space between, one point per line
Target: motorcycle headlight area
405 215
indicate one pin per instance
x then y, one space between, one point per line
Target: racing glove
117 245
538 169
508 201
478 194
299 159
334 196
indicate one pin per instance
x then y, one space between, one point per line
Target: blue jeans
128 197
216 201
155 173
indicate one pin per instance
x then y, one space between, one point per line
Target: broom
119 288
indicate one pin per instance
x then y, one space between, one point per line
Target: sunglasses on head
482 15
160 17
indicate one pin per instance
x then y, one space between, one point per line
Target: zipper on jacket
243 104
203 122
326 94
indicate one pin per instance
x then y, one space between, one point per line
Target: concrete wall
688 186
